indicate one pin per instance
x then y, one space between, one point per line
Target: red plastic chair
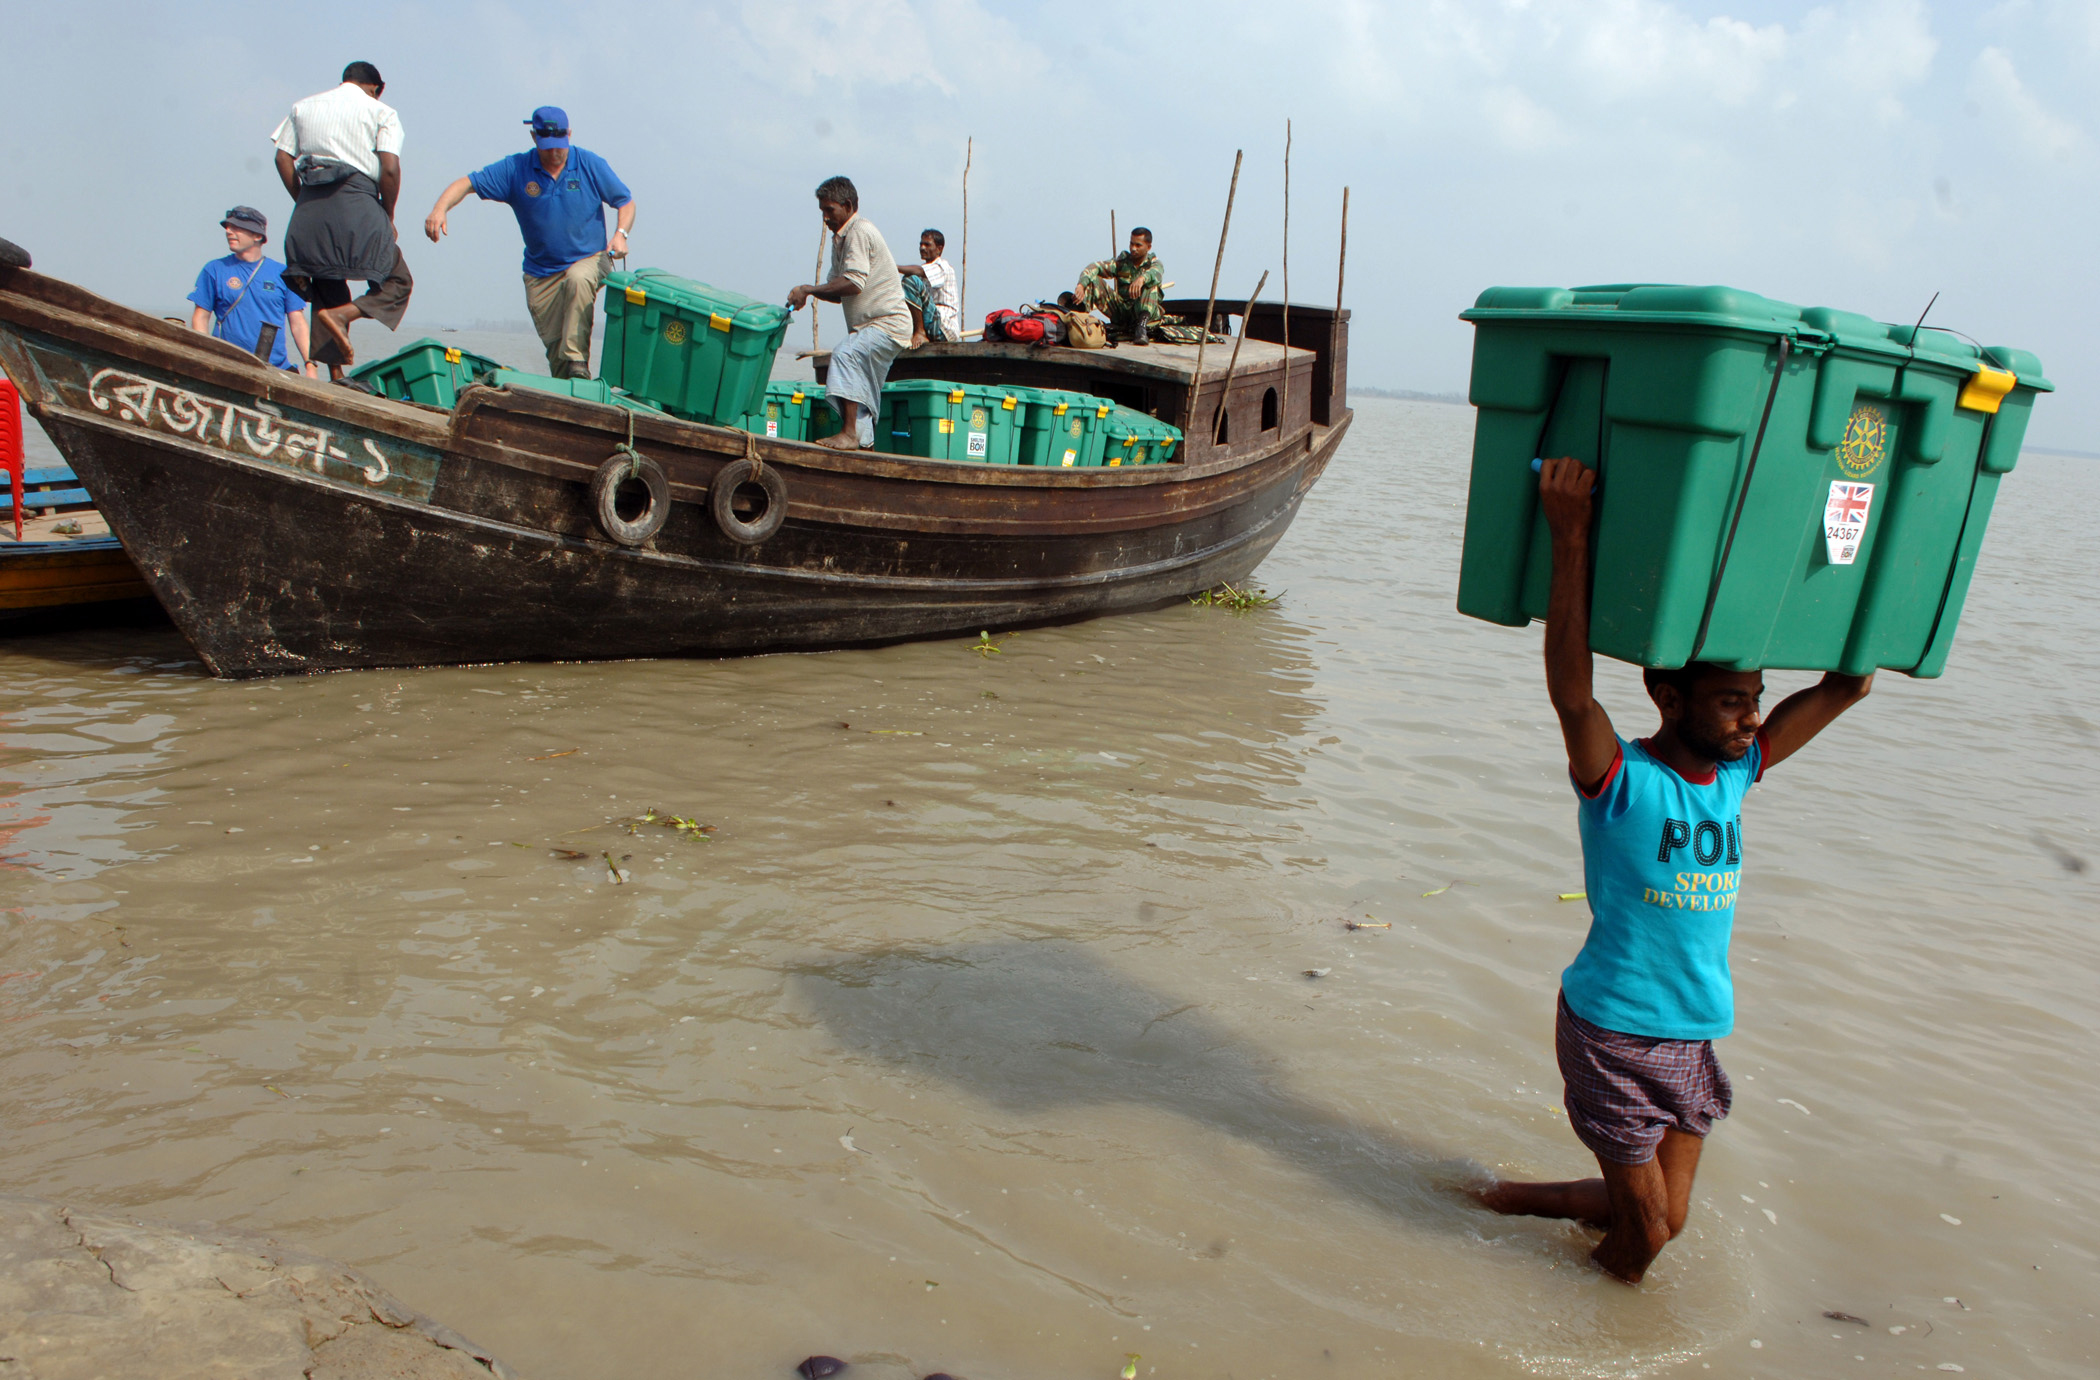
11 445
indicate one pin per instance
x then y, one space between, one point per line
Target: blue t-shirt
561 217
1663 857
242 309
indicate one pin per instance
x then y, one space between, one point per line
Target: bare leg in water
1640 1208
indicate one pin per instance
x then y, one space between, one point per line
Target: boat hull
289 527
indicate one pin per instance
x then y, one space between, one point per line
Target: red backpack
995 323
1025 330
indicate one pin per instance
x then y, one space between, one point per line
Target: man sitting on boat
236 296
1127 289
339 156
558 193
865 284
930 292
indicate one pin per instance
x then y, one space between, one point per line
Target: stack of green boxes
583 390
1133 438
987 425
696 351
1777 487
429 372
792 412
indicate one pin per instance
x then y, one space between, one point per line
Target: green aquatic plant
984 646
1238 598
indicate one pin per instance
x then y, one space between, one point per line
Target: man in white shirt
865 284
930 291
339 156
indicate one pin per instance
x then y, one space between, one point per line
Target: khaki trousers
564 307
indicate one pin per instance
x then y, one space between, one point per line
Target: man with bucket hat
236 298
558 192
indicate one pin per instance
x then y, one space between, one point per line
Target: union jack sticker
1845 520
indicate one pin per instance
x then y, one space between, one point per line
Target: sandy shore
87 1295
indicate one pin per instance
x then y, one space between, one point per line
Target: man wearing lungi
931 293
558 193
865 284
1662 847
339 155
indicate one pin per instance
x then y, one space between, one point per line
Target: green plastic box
429 372
793 412
1134 438
950 421
696 351
1843 540
583 390
1063 429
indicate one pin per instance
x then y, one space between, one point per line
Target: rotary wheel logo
979 419
1077 426
674 332
1866 440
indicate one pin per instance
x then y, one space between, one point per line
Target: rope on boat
634 457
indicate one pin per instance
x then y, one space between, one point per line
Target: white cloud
1996 86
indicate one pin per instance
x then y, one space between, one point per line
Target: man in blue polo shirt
558 192
1662 849
235 297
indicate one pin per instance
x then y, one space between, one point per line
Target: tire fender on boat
721 496
626 464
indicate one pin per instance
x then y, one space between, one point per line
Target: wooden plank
43 498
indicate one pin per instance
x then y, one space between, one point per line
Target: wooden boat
58 557
66 557
290 525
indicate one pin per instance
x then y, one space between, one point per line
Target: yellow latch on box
1986 388
1102 411
719 321
1008 405
1060 409
956 396
637 296
452 356
797 397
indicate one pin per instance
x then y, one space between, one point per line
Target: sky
1860 154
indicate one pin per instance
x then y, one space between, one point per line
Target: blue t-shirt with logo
562 218
1663 857
241 309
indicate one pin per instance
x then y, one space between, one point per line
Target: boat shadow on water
1034 1027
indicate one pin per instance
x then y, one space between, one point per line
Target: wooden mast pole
962 286
1284 418
1342 267
1234 366
1114 246
816 307
1196 384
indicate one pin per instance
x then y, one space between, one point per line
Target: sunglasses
547 131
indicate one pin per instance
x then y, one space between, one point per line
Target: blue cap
550 127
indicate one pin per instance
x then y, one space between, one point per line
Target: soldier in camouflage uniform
1127 289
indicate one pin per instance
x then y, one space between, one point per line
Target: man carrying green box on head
1662 847
865 284
557 192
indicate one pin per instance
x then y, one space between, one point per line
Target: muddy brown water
975 1036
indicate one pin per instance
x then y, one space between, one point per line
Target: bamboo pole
962 286
816 307
1342 267
1196 386
1115 245
1234 366
1284 419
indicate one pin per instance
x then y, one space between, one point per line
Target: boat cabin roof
1163 362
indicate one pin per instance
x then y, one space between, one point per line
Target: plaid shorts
1624 1091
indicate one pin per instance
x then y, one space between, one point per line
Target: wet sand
976 1037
